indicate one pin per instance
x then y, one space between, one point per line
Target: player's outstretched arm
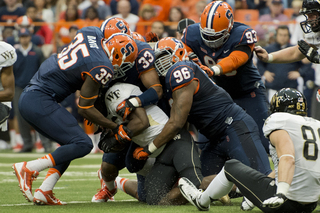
287 55
7 80
182 101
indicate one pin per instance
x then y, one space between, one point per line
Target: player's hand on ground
141 153
122 134
261 53
309 52
275 201
125 108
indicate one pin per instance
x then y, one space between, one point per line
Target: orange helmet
216 23
122 52
114 25
137 36
168 51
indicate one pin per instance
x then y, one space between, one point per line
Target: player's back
211 105
305 134
62 74
157 118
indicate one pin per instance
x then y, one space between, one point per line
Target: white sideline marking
71 202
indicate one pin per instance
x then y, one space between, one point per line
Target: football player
193 97
226 48
175 159
295 140
142 74
88 63
8 57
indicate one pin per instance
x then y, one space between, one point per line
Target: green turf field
76 187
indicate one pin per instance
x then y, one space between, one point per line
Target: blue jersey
212 105
238 82
143 63
62 74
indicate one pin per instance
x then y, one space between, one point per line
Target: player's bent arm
182 102
88 95
238 57
138 121
150 80
7 80
285 151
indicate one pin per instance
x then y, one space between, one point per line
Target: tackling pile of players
143 100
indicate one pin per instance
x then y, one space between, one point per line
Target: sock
40 164
12 134
51 179
219 187
110 185
18 139
120 183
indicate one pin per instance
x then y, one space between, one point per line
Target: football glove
275 201
125 108
318 95
203 67
151 37
108 143
141 153
309 52
122 134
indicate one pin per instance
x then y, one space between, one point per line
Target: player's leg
159 182
253 184
256 105
111 164
243 143
53 121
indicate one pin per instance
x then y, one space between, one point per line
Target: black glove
122 134
108 143
124 109
309 52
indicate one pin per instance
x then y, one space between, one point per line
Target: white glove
246 204
275 201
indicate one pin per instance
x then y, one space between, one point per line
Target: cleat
25 178
102 184
191 193
39 147
46 198
103 195
17 148
246 204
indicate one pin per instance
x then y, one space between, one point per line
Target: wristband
216 70
283 188
152 147
134 102
270 58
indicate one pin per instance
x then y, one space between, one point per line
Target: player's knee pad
84 148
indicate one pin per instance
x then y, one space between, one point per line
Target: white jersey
157 118
8 57
305 134
313 38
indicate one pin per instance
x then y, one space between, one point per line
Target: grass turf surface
77 186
